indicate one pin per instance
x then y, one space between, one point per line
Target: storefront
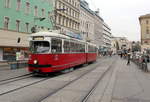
10 53
9 45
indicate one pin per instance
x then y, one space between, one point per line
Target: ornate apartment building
145 31
122 43
106 36
86 22
66 15
98 30
91 24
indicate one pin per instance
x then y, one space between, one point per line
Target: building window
147 31
147 22
36 11
27 7
18 5
6 22
49 14
17 25
63 8
145 42
27 27
59 20
42 27
63 21
73 3
7 3
43 12
59 5
67 22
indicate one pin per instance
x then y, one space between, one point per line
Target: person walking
144 63
128 58
121 55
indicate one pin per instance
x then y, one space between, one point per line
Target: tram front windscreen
39 46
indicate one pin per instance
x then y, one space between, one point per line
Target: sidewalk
4 66
12 65
132 84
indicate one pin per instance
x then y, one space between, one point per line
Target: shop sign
74 35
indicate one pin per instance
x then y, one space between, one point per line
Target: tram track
15 89
10 80
42 80
13 78
69 83
21 87
90 93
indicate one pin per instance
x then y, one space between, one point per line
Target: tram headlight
35 62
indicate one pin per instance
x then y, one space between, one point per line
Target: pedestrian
110 53
144 63
121 55
128 58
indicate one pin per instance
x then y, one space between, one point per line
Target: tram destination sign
38 38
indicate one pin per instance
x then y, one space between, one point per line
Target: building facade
66 16
18 17
123 43
114 46
98 30
120 44
145 31
106 37
86 21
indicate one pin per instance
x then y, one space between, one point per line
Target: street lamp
33 29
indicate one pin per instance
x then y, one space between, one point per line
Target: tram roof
51 34
54 34
92 44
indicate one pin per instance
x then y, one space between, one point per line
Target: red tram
52 52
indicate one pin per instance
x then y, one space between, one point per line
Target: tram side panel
54 62
91 53
91 57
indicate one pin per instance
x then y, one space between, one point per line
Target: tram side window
72 45
91 49
82 48
56 45
66 46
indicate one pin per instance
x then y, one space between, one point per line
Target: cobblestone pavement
132 84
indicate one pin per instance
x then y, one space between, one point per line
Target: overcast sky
122 15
